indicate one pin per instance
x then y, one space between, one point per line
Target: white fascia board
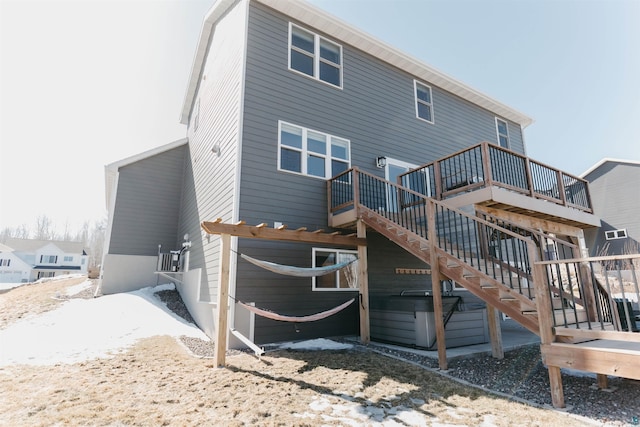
111 170
607 160
341 31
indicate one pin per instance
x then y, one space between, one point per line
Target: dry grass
33 299
158 383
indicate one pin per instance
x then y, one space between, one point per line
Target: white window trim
616 234
498 132
313 279
418 101
327 157
316 57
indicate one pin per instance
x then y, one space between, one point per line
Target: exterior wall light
381 161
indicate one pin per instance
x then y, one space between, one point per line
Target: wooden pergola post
363 284
223 301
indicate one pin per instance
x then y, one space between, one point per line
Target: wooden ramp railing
501 263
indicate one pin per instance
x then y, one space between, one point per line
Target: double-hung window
503 133
312 153
345 279
424 101
315 56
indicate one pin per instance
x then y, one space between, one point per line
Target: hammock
297 271
311 318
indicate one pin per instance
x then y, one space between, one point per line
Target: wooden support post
223 301
436 287
545 323
363 284
495 332
555 381
602 381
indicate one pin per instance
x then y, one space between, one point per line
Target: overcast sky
87 83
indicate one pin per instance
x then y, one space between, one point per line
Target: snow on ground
76 289
83 329
317 344
7 286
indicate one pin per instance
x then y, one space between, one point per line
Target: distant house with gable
27 260
615 194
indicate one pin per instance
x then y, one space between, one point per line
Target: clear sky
87 83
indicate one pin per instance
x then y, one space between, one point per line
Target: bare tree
43 228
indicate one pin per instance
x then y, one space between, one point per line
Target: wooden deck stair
519 304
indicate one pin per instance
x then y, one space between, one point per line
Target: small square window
345 279
615 234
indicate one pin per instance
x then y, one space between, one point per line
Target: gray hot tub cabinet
409 320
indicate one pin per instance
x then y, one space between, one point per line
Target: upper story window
5 262
615 234
315 56
503 133
313 153
68 258
345 279
424 102
48 259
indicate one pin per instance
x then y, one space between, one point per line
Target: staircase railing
485 165
607 288
495 251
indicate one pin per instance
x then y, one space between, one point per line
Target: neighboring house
615 194
282 97
29 260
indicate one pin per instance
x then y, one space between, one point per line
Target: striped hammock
297 271
311 318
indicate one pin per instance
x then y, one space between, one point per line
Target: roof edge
344 32
607 160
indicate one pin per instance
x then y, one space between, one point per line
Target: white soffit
341 31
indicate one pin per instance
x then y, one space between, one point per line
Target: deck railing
605 289
500 253
485 165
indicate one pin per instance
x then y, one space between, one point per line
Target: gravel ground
520 374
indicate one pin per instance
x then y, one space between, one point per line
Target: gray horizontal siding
148 204
615 195
210 180
375 110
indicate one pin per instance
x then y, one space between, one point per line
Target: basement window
345 279
616 234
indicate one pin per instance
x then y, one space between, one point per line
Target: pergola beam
282 234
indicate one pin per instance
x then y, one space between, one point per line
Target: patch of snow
76 289
84 329
7 286
317 344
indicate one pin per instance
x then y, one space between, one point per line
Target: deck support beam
363 285
495 332
436 287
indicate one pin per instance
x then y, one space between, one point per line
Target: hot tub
408 319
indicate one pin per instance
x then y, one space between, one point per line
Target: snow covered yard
114 360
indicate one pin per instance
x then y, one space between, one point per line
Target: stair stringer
485 287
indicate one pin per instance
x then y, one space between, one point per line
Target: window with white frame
68 258
315 56
48 259
424 101
615 234
502 131
5 262
345 279
312 153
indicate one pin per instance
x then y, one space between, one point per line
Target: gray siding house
615 193
283 96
